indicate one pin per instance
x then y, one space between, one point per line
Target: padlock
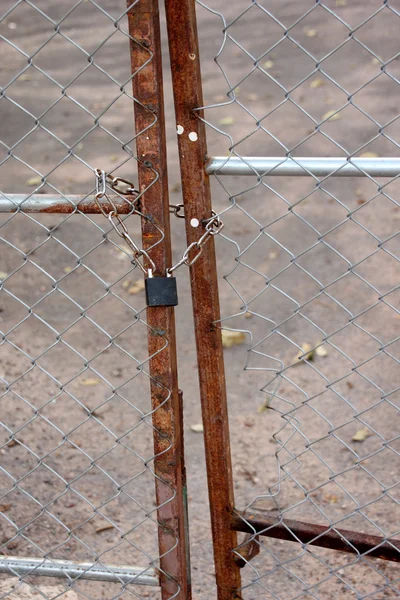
161 291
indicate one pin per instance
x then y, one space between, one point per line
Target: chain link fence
78 474
310 296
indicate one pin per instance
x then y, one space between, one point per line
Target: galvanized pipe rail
39 567
53 203
303 166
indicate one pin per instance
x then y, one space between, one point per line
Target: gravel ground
330 477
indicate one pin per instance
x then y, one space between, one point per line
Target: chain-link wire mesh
76 440
311 291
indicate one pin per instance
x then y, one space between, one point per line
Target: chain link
213 225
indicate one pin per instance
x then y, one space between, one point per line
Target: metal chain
213 225
101 192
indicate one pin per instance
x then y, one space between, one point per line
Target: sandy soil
68 394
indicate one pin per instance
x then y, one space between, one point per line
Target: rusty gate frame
195 168
226 521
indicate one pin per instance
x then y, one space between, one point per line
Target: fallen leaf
3 275
25 77
264 406
90 381
248 315
252 97
331 498
126 283
369 155
36 180
197 428
104 528
321 351
361 201
341 2
375 61
5 507
350 385
304 354
67 269
268 64
137 287
272 255
361 435
316 83
232 338
113 158
79 146
226 121
13 443
359 192
310 32
331 115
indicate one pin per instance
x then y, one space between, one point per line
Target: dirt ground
327 269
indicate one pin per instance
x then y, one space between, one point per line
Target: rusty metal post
147 83
186 81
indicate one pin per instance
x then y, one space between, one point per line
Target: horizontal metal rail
49 203
304 166
74 570
343 540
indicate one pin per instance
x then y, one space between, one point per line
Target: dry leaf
321 351
36 180
361 201
137 287
126 283
226 121
310 32
369 155
359 192
25 77
5 507
67 269
268 64
316 83
104 528
304 354
232 338
361 435
113 158
331 115
79 146
350 385
197 428
13 443
264 406
341 2
272 255
248 315
90 381
331 498
3 275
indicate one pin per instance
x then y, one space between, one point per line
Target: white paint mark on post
194 222
193 136
179 130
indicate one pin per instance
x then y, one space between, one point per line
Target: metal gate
295 202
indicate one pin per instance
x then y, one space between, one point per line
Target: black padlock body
161 291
